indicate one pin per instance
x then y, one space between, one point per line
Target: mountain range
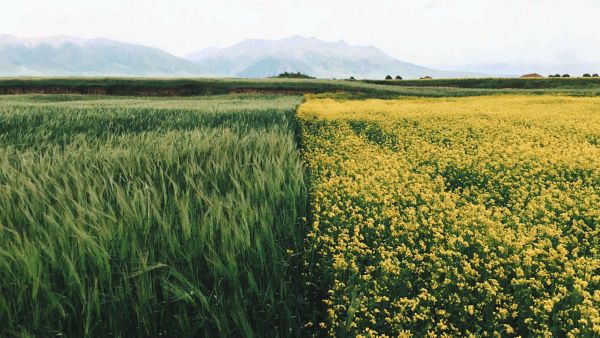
254 58
68 56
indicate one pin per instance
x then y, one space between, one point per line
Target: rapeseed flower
469 216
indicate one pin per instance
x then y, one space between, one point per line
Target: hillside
261 58
96 57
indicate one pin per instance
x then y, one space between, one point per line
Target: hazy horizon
495 37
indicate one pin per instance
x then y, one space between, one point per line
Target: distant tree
388 77
566 75
595 75
550 75
556 75
290 75
398 77
586 75
352 78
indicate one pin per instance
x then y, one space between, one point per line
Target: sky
495 36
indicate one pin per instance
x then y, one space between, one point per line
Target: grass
353 89
499 83
146 217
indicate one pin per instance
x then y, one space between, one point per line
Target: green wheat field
147 216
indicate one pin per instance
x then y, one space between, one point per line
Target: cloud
435 4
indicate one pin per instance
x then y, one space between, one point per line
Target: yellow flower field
456 216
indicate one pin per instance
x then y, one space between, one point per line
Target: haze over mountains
260 58
69 56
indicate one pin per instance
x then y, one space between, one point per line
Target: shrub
595 75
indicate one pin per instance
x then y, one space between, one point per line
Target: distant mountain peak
309 55
52 41
67 55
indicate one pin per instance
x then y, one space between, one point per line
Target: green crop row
356 89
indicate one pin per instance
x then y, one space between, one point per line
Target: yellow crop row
456 216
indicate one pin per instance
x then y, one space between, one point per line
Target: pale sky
475 35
